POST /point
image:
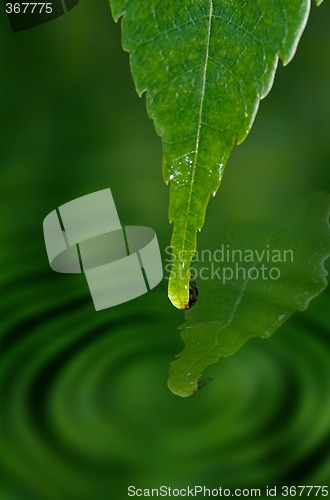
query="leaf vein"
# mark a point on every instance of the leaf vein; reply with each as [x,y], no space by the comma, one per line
[174,80]
[166,33]
[244,30]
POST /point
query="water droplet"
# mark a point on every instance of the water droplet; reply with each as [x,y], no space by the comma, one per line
[193,293]
[220,168]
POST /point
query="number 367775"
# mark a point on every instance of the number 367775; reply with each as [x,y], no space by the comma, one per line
[29,8]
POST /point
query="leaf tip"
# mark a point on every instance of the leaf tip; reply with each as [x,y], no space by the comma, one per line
[178,301]
[179,392]
[183,299]
[185,390]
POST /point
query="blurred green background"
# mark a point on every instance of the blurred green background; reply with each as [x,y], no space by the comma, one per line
[84,408]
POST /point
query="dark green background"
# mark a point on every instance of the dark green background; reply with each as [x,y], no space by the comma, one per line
[84,408]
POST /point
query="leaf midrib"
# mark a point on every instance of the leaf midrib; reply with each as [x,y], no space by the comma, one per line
[200,122]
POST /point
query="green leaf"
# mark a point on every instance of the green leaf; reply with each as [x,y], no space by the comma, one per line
[252,285]
[205,65]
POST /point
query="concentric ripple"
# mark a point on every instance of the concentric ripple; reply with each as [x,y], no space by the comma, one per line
[85,408]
